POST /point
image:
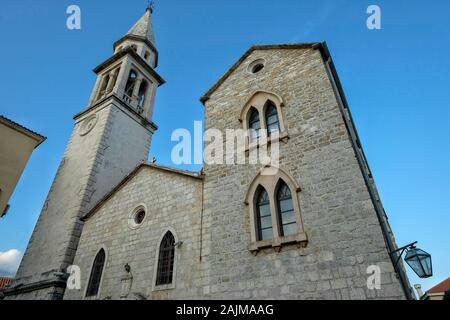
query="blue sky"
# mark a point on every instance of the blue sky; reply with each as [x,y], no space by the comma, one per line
[396,81]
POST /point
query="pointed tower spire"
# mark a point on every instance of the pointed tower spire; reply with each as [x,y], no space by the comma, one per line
[143,28]
[141,38]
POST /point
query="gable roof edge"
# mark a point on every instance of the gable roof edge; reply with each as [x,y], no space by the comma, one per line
[130,176]
[303,45]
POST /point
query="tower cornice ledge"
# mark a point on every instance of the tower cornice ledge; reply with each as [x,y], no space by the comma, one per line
[100,104]
[137,57]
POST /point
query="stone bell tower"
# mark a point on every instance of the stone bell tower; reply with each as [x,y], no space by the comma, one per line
[110,138]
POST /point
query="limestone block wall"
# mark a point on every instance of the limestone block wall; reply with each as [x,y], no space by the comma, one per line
[344,236]
[210,217]
[95,160]
[126,145]
[172,202]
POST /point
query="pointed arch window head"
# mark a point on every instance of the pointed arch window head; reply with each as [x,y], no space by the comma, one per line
[263,215]
[96,274]
[286,212]
[272,119]
[254,125]
[166,259]
[129,87]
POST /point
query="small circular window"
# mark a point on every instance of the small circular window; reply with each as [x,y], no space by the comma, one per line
[256,66]
[137,217]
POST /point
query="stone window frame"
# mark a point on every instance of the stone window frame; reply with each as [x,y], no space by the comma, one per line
[128,85]
[259,101]
[172,285]
[107,82]
[140,80]
[102,276]
[269,178]
[261,62]
[131,219]
[146,55]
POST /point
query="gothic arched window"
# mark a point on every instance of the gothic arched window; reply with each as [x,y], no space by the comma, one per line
[129,87]
[274,210]
[265,111]
[254,125]
[286,212]
[141,95]
[96,274]
[272,121]
[104,85]
[114,78]
[166,260]
[263,215]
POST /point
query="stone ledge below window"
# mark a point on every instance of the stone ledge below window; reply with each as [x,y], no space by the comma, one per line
[300,239]
[163,287]
[283,136]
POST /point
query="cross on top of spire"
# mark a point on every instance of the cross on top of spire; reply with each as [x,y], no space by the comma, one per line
[150,6]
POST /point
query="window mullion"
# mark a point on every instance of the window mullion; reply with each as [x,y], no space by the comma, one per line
[273,212]
[263,122]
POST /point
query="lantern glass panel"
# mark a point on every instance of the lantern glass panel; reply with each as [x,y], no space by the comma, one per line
[420,262]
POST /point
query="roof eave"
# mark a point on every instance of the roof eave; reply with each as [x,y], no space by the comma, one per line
[18,127]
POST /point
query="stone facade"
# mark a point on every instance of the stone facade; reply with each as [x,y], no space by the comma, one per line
[101,183]
[100,153]
[91,164]
[172,201]
[344,235]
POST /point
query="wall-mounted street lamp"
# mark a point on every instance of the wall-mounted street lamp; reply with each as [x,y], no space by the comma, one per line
[417,259]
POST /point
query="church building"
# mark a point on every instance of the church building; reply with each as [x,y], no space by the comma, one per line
[133,229]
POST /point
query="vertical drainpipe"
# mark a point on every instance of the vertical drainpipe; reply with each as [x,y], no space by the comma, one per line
[390,246]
